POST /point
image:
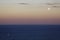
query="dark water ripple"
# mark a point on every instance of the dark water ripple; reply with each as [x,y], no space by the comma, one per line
[29,32]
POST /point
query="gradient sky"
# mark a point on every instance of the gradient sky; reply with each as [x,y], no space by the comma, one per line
[13,13]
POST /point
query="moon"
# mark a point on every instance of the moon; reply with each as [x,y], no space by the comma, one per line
[49,9]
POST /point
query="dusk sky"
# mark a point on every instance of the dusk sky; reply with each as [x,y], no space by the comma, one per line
[11,12]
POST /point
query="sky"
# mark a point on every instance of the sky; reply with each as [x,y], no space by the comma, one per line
[13,1]
[11,12]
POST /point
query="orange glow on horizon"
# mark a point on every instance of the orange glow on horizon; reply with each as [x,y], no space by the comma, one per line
[29,15]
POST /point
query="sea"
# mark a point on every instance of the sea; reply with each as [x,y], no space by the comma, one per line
[29,32]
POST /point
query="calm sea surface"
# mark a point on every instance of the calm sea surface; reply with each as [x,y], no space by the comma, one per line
[29,32]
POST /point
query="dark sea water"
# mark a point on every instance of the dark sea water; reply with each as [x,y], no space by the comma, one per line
[29,32]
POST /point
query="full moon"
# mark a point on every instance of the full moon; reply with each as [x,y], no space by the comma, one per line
[49,8]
